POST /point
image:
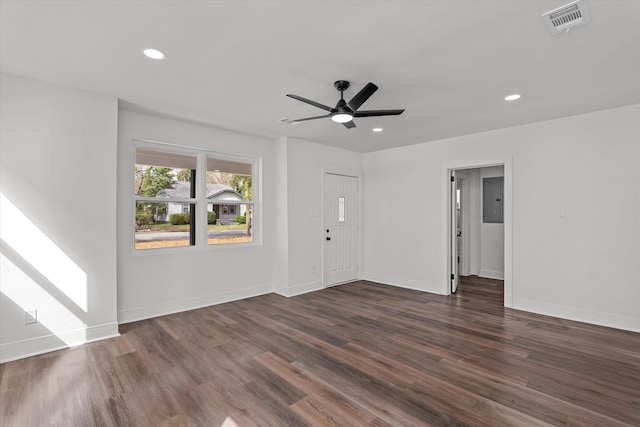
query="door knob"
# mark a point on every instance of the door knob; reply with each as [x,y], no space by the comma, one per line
[328,238]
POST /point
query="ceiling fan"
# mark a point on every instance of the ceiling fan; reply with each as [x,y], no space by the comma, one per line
[344,112]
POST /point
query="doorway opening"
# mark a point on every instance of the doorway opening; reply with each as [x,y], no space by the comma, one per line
[480,225]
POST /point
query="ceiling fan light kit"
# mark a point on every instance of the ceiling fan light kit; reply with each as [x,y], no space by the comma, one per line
[341,117]
[344,112]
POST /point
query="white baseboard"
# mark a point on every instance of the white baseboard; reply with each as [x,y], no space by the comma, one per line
[52,342]
[281,290]
[406,283]
[578,314]
[298,289]
[490,274]
[141,313]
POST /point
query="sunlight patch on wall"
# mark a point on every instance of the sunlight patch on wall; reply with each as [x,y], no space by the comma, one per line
[42,254]
[27,294]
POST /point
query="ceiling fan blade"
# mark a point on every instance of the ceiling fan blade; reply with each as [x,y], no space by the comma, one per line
[362,96]
[349,124]
[310,102]
[309,118]
[374,113]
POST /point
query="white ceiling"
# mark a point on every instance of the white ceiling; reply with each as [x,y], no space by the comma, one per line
[230,63]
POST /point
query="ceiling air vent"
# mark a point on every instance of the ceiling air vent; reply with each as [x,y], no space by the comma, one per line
[563,18]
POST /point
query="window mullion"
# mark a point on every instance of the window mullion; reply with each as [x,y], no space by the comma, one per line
[201,197]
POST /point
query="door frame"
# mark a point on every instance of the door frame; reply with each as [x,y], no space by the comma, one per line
[359,203]
[454,244]
[507,162]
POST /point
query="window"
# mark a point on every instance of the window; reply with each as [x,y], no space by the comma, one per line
[229,209]
[158,176]
[341,217]
[186,197]
[229,196]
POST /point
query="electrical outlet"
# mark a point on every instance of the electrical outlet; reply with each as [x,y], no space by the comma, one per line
[313,269]
[30,316]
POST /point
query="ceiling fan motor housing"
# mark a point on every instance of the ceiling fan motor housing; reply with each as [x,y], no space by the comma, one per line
[342,106]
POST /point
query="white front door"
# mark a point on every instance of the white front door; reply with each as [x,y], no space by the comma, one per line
[340,230]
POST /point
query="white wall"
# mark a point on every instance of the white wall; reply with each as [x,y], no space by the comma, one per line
[581,266]
[281,228]
[491,235]
[153,283]
[306,163]
[58,209]
[405,251]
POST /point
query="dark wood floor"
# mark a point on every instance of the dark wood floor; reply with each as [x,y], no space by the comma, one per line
[357,354]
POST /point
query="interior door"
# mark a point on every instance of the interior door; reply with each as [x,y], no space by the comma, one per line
[459,225]
[340,229]
[453,230]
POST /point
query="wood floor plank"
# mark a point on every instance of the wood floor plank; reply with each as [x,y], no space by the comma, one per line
[355,354]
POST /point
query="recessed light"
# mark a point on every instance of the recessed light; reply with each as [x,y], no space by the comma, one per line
[154,54]
[512,97]
[377,129]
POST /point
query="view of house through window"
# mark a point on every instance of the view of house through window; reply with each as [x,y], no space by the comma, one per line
[229,188]
[172,209]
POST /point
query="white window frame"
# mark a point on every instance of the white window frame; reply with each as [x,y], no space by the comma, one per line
[201,201]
